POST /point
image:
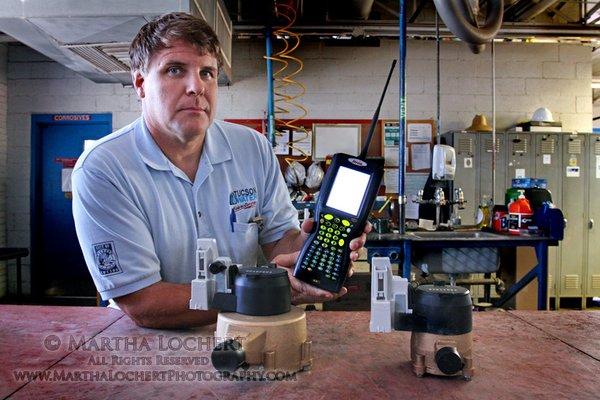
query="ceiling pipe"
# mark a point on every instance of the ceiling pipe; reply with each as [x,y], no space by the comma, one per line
[458,17]
[536,9]
[584,33]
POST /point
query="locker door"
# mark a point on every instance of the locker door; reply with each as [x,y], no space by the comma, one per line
[548,166]
[593,253]
[520,161]
[485,167]
[465,145]
[573,207]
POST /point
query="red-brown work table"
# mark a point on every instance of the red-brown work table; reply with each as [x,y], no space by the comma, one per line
[518,355]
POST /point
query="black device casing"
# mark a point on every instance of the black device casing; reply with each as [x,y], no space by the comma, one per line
[438,309]
[257,291]
[371,166]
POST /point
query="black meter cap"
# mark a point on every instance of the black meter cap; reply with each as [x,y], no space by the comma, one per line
[442,310]
[262,291]
[448,360]
[228,356]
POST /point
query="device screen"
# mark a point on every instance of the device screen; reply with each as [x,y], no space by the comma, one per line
[348,190]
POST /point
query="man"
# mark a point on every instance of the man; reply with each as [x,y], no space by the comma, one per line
[143,194]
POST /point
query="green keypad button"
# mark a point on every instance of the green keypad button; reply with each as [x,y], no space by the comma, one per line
[325,253]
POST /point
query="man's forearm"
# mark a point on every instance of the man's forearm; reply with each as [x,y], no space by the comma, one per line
[164,305]
[291,242]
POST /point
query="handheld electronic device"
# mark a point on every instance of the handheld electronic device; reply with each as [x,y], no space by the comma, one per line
[347,194]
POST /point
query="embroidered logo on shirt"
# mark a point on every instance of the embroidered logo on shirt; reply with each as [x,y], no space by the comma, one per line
[106,258]
[242,198]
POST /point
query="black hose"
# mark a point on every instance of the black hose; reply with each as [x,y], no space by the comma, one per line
[459,19]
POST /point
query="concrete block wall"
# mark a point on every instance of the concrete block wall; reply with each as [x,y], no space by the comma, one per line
[345,82]
[340,83]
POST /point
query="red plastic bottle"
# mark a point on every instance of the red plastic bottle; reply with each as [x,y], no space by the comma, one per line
[520,215]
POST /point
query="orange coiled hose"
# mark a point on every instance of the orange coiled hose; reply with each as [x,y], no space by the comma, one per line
[286,89]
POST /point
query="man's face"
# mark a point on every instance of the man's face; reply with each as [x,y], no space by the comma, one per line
[178,91]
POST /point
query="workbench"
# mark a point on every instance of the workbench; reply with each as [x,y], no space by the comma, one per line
[399,248]
[517,355]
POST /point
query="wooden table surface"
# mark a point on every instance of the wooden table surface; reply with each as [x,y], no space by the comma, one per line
[517,355]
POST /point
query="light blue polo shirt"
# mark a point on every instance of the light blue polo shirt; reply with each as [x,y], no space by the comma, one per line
[138,216]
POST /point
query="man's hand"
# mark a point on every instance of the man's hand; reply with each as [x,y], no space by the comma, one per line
[302,292]
[356,244]
[286,253]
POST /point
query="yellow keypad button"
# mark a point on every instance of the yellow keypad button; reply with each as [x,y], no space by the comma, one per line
[345,222]
[329,217]
[341,242]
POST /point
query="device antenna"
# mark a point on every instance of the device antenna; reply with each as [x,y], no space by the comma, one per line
[363,153]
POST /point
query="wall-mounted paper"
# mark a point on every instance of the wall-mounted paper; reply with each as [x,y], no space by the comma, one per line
[65,178]
[302,143]
[420,156]
[391,134]
[419,133]
[390,180]
[281,143]
[391,156]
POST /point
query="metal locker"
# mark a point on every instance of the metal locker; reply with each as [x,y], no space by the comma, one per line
[466,148]
[485,167]
[548,165]
[573,203]
[593,212]
[519,156]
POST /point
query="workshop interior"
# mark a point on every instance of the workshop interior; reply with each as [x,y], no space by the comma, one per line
[465,132]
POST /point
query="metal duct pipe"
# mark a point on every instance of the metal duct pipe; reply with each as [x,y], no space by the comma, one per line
[535,10]
[458,17]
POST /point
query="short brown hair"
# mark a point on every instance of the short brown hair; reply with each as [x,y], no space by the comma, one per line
[159,33]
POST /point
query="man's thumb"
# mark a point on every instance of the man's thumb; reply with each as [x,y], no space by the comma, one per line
[307,225]
[286,260]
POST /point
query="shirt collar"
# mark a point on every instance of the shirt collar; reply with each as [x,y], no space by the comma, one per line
[148,149]
[216,145]
[216,148]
